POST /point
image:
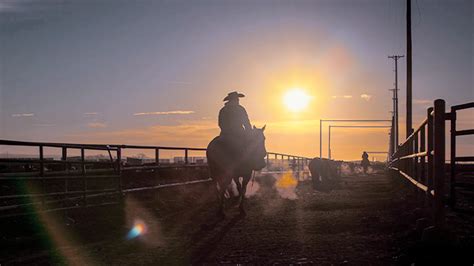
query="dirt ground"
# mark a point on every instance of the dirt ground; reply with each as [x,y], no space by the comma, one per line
[363,220]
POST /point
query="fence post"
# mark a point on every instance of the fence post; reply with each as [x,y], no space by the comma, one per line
[423,158]
[119,170]
[404,163]
[452,183]
[41,172]
[84,179]
[66,168]
[157,156]
[186,161]
[415,163]
[439,161]
[429,149]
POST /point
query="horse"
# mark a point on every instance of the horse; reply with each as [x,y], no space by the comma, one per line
[225,167]
[324,172]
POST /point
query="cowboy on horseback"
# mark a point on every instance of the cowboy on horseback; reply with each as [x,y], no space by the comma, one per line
[365,161]
[236,152]
[234,123]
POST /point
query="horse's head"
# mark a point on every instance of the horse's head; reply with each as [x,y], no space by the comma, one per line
[257,148]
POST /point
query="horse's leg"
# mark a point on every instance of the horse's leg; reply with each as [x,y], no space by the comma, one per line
[220,198]
[220,195]
[245,181]
[223,185]
[239,185]
[220,210]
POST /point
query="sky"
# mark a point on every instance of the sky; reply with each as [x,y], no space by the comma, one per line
[155,72]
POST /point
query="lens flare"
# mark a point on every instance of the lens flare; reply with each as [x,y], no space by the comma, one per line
[287,181]
[138,229]
[286,186]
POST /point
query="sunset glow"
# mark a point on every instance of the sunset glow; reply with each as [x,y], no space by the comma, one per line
[295,68]
[211,132]
[296,99]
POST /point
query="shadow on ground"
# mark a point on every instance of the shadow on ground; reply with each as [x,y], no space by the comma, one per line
[361,220]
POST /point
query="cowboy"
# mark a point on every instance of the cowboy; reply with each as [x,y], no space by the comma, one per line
[234,123]
[365,156]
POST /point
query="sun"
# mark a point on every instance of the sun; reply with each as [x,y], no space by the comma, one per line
[296,99]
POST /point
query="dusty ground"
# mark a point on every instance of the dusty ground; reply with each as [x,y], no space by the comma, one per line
[364,220]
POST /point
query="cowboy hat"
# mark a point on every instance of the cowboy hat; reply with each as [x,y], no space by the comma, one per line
[233,95]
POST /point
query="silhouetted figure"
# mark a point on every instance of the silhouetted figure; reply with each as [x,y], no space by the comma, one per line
[325,174]
[237,151]
[315,168]
[234,123]
[365,161]
[224,167]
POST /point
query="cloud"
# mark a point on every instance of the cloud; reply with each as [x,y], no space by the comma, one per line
[97,125]
[91,113]
[366,97]
[287,136]
[342,97]
[9,7]
[180,82]
[44,125]
[23,115]
[192,134]
[178,112]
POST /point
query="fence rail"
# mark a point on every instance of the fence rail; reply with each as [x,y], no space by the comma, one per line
[421,157]
[453,157]
[88,172]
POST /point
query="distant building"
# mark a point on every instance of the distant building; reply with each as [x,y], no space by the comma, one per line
[134,161]
[165,161]
[178,160]
[191,159]
[74,158]
[153,161]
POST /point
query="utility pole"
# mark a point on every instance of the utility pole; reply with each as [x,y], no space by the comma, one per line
[391,138]
[395,101]
[409,128]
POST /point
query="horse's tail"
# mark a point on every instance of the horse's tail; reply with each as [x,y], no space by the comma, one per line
[211,157]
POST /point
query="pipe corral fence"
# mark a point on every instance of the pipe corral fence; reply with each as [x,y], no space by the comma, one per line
[69,182]
[421,158]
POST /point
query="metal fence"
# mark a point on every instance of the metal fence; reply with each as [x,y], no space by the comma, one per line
[67,183]
[453,157]
[421,158]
